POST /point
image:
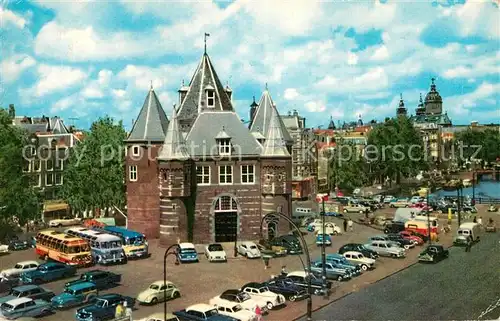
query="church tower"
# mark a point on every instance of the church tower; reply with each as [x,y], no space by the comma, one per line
[401,111]
[420,108]
[142,147]
[433,101]
[175,181]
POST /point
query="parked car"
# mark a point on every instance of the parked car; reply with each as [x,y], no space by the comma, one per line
[358,248]
[159,316]
[202,312]
[394,227]
[491,227]
[386,248]
[287,288]
[359,259]
[4,249]
[20,267]
[326,237]
[412,237]
[289,242]
[24,307]
[103,308]
[187,253]
[332,272]
[416,199]
[299,278]
[402,202]
[215,253]
[404,243]
[265,247]
[48,272]
[18,245]
[388,199]
[101,279]
[356,208]
[259,290]
[241,298]
[65,221]
[75,295]
[341,262]
[28,291]
[235,310]
[157,291]
[433,253]
[249,250]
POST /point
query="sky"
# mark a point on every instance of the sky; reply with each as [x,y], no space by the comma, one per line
[81,60]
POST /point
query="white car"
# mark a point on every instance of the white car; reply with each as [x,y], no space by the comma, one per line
[235,310]
[65,221]
[249,250]
[215,253]
[237,297]
[258,290]
[13,273]
[358,258]
[4,248]
[330,229]
[388,198]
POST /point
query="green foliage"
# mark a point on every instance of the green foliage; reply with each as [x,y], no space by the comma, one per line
[95,174]
[17,198]
[487,141]
[347,169]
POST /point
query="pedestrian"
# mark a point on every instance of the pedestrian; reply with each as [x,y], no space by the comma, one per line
[469,244]
[258,313]
[345,225]
[128,310]
[119,311]
[266,262]
[474,220]
[283,270]
[350,225]
[480,221]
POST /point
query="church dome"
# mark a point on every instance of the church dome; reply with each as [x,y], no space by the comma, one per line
[433,95]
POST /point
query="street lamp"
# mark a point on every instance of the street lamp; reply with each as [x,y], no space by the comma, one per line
[428,213]
[460,194]
[171,250]
[273,217]
[323,198]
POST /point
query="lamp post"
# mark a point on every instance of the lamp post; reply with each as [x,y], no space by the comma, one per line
[171,250]
[323,198]
[459,207]
[272,217]
[473,186]
[428,218]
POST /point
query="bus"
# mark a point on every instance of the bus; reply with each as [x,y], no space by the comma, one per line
[134,243]
[63,248]
[105,248]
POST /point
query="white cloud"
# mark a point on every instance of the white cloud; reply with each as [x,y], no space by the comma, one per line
[485,92]
[56,78]
[11,68]
[291,94]
[381,53]
[9,17]
[92,91]
[478,18]
[118,93]
[327,81]
[315,106]
[481,67]
[352,58]
[104,77]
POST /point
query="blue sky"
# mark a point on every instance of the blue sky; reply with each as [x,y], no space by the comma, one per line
[85,59]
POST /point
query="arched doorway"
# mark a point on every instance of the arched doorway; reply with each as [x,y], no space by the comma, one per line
[225,219]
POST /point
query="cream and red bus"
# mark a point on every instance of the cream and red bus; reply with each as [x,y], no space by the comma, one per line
[63,248]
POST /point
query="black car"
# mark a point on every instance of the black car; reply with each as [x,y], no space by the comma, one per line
[433,253]
[394,227]
[18,245]
[289,242]
[301,280]
[358,248]
[404,243]
[287,288]
[368,204]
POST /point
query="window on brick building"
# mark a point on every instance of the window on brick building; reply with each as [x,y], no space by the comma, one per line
[132,173]
[247,174]
[36,165]
[49,165]
[58,179]
[224,147]
[225,174]
[210,98]
[26,166]
[203,175]
[135,151]
[49,179]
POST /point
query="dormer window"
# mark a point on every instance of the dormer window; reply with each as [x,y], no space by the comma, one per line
[210,96]
[224,147]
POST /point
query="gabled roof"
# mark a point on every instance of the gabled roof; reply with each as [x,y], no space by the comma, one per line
[174,146]
[151,124]
[275,144]
[208,124]
[204,78]
[262,117]
[57,126]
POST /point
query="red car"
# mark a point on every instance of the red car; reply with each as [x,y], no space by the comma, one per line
[410,236]
[422,206]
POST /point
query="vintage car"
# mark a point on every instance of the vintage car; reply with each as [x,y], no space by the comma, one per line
[187,253]
[20,267]
[386,248]
[401,202]
[4,249]
[330,227]
[104,307]
[18,245]
[202,312]
[417,240]
[299,278]
[288,289]
[404,243]
[75,295]
[289,242]
[341,262]
[65,221]
[101,279]
[28,291]
[265,247]
[393,227]
[492,208]
[356,208]
[388,199]
[241,298]
[332,272]
[215,253]
[359,259]
[235,310]
[249,250]
[159,316]
[261,291]
[24,307]
[327,239]
[358,248]
[491,227]
[48,272]
[157,292]
[433,253]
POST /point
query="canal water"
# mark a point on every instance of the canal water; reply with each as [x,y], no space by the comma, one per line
[485,189]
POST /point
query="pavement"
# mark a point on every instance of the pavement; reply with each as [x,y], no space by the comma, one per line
[461,287]
[199,282]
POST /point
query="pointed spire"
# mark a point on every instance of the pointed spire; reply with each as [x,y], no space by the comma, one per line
[401,101]
[275,144]
[266,86]
[151,86]
[331,125]
[151,124]
[174,146]
[421,101]
[254,104]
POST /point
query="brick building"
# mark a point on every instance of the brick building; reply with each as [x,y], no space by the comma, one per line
[203,176]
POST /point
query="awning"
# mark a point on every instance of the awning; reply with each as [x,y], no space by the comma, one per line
[52,207]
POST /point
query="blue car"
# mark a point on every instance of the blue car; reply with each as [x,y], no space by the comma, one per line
[75,295]
[341,262]
[48,272]
[319,239]
[187,253]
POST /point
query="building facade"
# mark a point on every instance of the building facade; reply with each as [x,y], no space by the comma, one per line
[202,175]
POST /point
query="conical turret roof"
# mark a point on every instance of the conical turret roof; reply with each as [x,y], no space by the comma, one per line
[152,122]
[275,143]
[174,146]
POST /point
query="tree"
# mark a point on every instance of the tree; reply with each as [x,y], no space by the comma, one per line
[478,144]
[346,167]
[19,201]
[94,178]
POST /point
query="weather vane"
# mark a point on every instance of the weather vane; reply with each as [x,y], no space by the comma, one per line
[206,36]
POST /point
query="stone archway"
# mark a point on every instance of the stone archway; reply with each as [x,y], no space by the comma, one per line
[225,212]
